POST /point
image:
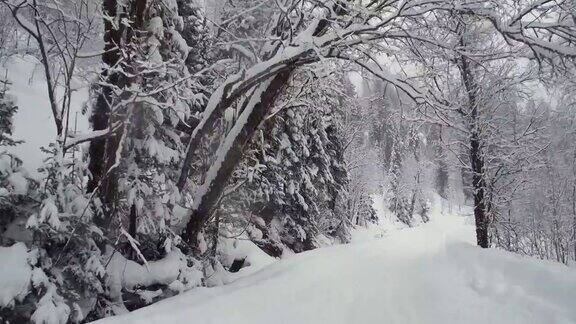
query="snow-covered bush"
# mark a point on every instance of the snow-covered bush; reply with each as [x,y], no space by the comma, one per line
[15,182]
[66,241]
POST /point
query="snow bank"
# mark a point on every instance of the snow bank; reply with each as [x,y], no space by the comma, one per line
[387,222]
[252,254]
[428,274]
[15,274]
[172,270]
[33,122]
[254,259]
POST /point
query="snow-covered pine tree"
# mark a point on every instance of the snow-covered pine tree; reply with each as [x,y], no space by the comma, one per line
[153,144]
[14,186]
[408,173]
[146,100]
[360,156]
[404,154]
[151,96]
[67,247]
[291,186]
[195,31]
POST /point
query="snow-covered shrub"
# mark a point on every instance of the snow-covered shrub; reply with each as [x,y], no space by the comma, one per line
[14,179]
[47,289]
[131,285]
[66,240]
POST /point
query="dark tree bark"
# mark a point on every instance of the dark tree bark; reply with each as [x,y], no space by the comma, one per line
[103,151]
[476,157]
[101,110]
[479,185]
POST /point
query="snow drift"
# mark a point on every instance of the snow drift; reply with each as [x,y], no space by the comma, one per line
[429,274]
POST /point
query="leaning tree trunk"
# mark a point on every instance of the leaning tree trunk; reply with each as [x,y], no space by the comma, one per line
[230,152]
[258,106]
[220,172]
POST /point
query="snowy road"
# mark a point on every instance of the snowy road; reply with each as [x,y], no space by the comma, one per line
[429,274]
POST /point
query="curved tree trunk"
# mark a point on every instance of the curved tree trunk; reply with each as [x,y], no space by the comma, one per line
[230,152]
[209,193]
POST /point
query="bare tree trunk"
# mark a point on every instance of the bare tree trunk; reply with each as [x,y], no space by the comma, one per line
[101,111]
[49,82]
[478,184]
[103,152]
[476,158]
[35,31]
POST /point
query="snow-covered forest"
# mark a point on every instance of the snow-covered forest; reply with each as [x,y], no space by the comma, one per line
[194,152]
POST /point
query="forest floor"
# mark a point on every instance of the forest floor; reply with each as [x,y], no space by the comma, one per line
[429,274]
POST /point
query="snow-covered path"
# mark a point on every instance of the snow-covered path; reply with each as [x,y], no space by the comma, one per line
[429,274]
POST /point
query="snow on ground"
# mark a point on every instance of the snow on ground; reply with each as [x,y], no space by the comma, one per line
[15,274]
[429,274]
[33,122]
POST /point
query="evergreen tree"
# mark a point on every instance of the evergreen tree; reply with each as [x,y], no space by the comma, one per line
[294,179]
[13,182]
